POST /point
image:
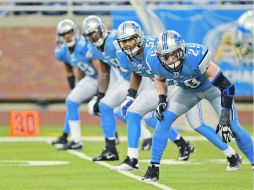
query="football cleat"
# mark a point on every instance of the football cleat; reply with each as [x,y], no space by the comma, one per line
[71,146]
[128,164]
[147,144]
[61,140]
[107,155]
[152,173]
[185,151]
[235,162]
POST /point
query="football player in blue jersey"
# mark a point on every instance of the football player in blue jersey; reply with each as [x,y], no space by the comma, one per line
[110,93]
[60,30]
[135,50]
[190,67]
[134,46]
[74,51]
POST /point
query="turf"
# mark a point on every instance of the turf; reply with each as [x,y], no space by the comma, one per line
[206,168]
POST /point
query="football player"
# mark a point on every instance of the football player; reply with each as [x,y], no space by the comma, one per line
[190,67]
[110,93]
[73,51]
[135,49]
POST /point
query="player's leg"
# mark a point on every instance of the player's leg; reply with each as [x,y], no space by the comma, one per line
[195,119]
[177,105]
[184,147]
[243,139]
[113,98]
[65,133]
[145,102]
[85,89]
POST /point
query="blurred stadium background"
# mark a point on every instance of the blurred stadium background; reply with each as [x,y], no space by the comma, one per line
[31,79]
[30,74]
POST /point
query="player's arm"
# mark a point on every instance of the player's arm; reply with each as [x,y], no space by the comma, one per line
[70,75]
[134,83]
[218,79]
[160,85]
[103,71]
[132,92]
[161,89]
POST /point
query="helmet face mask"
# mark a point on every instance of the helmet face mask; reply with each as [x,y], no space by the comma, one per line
[173,60]
[67,32]
[130,37]
[95,37]
[94,30]
[171,50]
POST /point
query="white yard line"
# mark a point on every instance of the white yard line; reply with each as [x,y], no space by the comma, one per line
[90,138]
[126,173]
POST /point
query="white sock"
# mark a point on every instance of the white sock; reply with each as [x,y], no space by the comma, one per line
[229,151]
[133,152]
[75,130]
[145,133]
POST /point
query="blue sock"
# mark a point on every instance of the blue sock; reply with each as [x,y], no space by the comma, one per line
[243,139]
[120,117]
[108,121]
[66,128]
[160,137]
[72,110]
[134,128]
[172,134]
[152,122]
[71,114]
[211,135]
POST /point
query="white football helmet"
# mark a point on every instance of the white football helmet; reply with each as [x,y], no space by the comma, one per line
[67,26]
[94,30]
[170,43]
[244,37]
[128,30]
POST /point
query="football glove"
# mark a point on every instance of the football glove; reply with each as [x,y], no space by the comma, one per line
[162,106]
[125,105]
[224,125]
[96,110]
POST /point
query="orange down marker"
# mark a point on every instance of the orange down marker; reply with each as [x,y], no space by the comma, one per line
[24,123]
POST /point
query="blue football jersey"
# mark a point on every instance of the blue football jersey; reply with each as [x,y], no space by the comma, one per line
[80,57]
[140,67]
[191,77]
[109,54]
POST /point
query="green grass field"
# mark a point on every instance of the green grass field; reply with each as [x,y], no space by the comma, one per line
[204,171]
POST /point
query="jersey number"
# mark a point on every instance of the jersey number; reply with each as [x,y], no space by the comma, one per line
[86,68]
[192,83]
[193,51]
